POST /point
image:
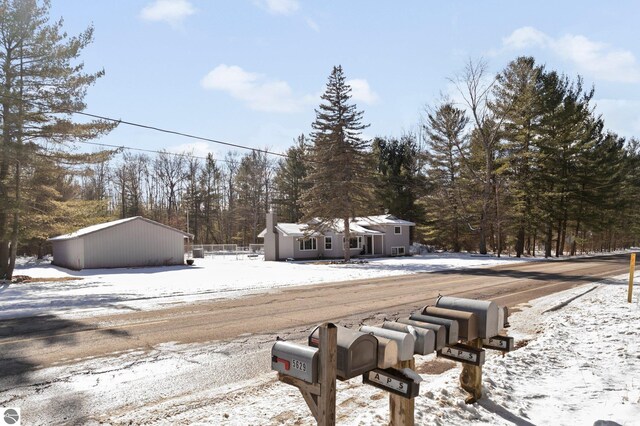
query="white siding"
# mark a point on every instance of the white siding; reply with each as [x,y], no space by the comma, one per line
[394,240]
[285,247]
[134,243]
[69,253]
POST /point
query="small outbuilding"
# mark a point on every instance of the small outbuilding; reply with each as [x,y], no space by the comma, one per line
[133,241]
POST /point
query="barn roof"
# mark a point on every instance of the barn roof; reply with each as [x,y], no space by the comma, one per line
[101,226]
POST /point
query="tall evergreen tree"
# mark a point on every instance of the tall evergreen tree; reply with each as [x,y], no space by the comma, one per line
[339,179]
[398,178]
[447,152]
[41,84]
[516,98]
[288,182]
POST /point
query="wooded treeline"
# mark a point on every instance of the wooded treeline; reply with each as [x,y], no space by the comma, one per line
[526,167]
[520,162]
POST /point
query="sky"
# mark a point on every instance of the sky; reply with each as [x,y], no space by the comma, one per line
[251,72]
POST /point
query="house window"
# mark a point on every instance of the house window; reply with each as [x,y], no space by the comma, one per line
[355,242]
[307,244]
[397,251]
[397,230]
[328,243]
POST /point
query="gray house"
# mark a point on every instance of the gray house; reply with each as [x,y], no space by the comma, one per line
[134,241]
[383,235]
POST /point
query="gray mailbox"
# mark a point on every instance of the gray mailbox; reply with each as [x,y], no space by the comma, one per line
[406,342]
[357,352]
[450,325]
[439,330]
[295,360]
[425,339]
[485,310]
[387,352]
[467,324]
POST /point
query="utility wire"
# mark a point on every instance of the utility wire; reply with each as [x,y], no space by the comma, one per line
[148,127]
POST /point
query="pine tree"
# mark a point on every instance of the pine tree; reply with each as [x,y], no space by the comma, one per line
[289,178]
[398,178]
[41,84]
[516,98]
[339,179]
[447,152]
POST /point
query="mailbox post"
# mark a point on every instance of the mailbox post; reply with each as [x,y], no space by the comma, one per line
[471,376]
[320,396]
[401,409]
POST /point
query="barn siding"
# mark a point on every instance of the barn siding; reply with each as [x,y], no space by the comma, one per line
[134,243]
[69,253]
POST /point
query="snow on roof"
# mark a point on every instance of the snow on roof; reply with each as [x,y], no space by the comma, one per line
[292,230]
[300,230]
[354,228]
[95,228]
[383,219]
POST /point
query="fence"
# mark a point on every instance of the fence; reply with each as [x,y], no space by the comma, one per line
[213,250]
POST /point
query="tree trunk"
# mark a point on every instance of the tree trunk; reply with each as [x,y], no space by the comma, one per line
[520,241]
[548,241]
[346,243]
[14,231]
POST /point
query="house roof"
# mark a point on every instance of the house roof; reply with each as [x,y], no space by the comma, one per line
[383,219]
[101,226]
[354,228]
[292,230]
[300,230]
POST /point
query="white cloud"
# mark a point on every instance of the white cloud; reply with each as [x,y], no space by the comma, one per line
[254,89]
[599,60]
[171,11]
[280,7]
[361,92]
[620,115]
[525,37]
[313,25]
[199,149]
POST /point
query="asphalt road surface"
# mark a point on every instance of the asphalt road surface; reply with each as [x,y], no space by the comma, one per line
[38,342]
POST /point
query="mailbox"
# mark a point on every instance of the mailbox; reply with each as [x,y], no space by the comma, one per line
[467,324]
[439,330]
[486,313]
[450,325]
[406,342]
[425,339]
[387,352]
[357,352]
[295,360]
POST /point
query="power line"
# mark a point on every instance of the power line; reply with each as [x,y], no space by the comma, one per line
[148,127]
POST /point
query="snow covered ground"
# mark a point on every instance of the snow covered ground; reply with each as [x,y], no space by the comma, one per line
[578,365]
[102,291]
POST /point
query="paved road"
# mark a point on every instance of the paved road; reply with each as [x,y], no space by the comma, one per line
[34,343]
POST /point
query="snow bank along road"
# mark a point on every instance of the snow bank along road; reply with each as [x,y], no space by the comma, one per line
[36,354]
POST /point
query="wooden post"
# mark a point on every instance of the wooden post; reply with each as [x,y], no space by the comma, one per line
[471,376]
[632,267]
[327,375]
[321,396]
[401,410]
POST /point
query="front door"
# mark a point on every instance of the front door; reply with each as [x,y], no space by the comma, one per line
[369,247]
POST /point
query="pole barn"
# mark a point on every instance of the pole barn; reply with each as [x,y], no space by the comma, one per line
[134,241]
